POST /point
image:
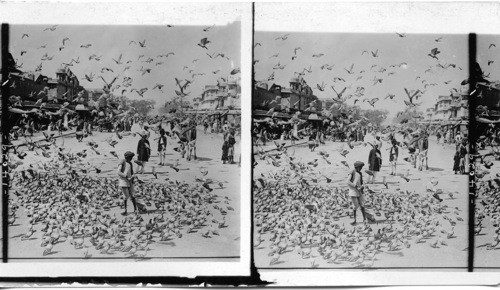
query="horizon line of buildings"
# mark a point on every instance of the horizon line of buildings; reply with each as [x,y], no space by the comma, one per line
[32,86]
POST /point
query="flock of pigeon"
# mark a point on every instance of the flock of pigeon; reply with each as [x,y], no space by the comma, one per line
[118,78]
[68,200]
[300,210]
[348,84]
[487,209]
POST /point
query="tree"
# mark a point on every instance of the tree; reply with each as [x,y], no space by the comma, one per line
[376,117]
[351,114]
[143,107]
[408,116]
[175,105]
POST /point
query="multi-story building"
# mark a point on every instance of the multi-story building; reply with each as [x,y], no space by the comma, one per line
[442,108]
[452,107]
[459,107]
[297,97]
[28,85]
[224,95]
[210,98]
[67,86]
[429,113]
[31,86]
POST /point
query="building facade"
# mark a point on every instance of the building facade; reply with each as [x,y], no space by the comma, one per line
[32,86]
[442,108]
[459,107]
[429,113]
[223,96]
[68,87]
[452,107]
[297,97]
[28,85]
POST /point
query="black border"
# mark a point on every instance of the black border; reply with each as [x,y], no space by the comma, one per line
[5,137]
[472,145]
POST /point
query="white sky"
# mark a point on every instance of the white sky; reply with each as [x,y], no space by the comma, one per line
[109,41]
[343,50]
[341,31]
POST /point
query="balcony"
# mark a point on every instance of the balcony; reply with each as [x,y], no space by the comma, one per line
[444,98]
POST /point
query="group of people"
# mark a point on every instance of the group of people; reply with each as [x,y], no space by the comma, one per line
[186,133]
[416,140]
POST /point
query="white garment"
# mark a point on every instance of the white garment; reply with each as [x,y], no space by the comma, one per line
[66,122]
[125,175]
[357,182]
[135,128]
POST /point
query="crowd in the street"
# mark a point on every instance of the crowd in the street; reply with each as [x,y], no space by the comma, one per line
[180,127]
[413,138]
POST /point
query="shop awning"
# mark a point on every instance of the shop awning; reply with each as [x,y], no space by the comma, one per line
[262,113]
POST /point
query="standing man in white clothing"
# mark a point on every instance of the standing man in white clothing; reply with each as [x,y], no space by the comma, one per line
[126,180]
[355,184]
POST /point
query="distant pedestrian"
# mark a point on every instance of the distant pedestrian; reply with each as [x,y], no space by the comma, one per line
[423,147]
[375,162]
[146,130]
[393,156]
[458,139]
[79,130]
[226,147]
[59,126]
[162,146]
[312,140]
[231,142]
[88,128]
[378,141]
[143,153]
[205,126]
[191,135]
[459,158]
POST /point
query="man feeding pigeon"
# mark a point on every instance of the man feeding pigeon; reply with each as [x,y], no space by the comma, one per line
[126,180]
[355,184]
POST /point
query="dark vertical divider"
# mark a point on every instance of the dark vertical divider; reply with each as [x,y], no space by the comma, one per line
[5,127]
[472,144]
